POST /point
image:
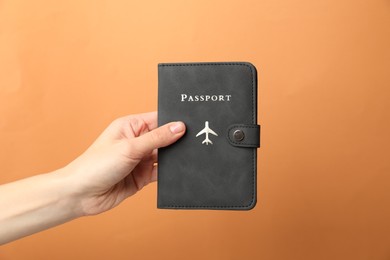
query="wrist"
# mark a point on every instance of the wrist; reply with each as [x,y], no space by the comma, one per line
[69,195]
[36,203]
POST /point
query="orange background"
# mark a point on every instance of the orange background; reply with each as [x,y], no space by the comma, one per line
[68,68]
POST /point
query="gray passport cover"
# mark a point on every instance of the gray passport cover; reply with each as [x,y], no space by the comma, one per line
[214,165]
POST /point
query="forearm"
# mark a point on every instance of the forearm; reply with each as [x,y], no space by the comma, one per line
[34,204]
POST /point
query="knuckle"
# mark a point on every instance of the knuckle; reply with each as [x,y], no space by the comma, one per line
[118,122]
[137,125]
[134,124]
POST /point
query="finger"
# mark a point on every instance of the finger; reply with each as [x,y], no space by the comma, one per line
[157,138]
[142,175]
[154,174]
[149,159]
[150,118]
[153,157]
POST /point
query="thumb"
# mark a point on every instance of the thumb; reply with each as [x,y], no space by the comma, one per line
[159,137]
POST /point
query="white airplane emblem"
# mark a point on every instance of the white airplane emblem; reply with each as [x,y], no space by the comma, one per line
[206,130]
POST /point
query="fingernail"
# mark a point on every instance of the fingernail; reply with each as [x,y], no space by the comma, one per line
[177,127]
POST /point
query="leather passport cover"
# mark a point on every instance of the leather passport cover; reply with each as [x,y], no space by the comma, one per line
[213,166]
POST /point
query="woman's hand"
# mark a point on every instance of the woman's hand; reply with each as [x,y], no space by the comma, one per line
[121,161]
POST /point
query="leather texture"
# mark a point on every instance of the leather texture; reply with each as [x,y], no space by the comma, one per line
[194,173]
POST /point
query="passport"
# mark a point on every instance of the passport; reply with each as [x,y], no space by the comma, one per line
[214,165]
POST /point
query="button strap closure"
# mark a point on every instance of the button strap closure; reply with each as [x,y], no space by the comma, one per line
[241,135]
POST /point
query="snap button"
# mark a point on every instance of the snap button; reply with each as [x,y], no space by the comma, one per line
[238,135]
